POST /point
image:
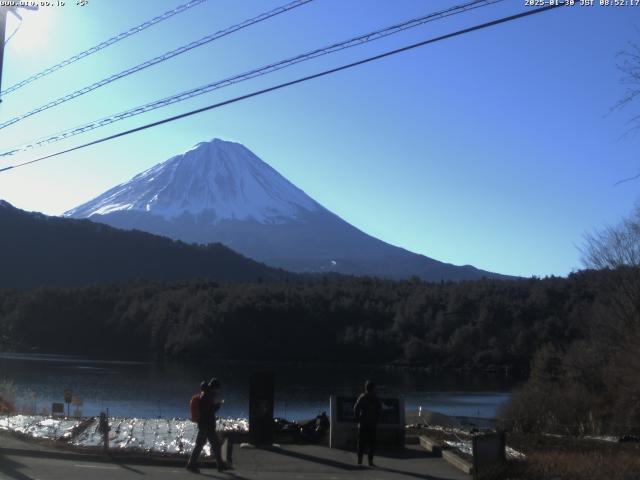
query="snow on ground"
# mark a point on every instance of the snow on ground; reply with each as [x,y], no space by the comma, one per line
[158,435]
[37,426]
[602,438]
[515,454]
[465,447]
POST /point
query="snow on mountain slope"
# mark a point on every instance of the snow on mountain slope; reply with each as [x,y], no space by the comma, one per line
[222,178]
[220,191]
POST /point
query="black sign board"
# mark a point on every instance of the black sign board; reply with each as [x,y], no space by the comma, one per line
[57,409]
[261,408]
[488,454]
[345,409]
[390,410]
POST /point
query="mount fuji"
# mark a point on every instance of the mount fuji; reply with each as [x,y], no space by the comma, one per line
[219,191]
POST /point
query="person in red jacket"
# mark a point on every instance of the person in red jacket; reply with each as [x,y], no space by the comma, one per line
[367,411]
[208,405]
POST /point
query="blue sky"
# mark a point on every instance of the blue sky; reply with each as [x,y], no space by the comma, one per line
[494,149]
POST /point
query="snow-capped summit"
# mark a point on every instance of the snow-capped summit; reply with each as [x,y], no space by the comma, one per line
[219,191]
[224,179]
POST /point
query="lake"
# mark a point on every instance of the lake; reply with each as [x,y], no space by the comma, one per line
[139,389]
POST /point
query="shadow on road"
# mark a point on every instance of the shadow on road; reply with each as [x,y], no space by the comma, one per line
[128,467]
[11,469]
[406,454]
[408,474]
[313,458]
[226,474]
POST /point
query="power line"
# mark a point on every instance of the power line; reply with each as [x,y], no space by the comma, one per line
[15,30]
[368,37]
[156,60]
[293,82]
[4,11]
[105,44]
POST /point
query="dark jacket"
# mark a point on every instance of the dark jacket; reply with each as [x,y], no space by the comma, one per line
[208,405]
[367,409]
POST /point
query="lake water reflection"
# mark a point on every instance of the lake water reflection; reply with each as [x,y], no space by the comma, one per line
[302,391]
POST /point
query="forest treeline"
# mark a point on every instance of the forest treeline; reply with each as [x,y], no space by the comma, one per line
[580,335]
[486,324]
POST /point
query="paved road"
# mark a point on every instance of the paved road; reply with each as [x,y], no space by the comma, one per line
[24,461]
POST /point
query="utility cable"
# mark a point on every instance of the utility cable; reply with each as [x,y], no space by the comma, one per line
[368,37]
[159,59]
[19,17]
[105,44]
[293,82]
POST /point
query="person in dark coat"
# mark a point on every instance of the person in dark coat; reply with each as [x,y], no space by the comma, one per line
[208,406]
[367,411]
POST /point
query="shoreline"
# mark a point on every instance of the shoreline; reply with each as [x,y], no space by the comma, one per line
[26,355]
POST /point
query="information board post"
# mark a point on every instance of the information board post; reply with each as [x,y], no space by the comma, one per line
[488,454]
[261,390]
[68,396]
[104,428]
[77,402]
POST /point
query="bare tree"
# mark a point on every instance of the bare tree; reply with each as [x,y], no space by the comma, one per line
[629,67]
[617,248]
[616,326]
[614,247]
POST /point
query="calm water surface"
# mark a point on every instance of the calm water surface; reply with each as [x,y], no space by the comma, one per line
[302,391]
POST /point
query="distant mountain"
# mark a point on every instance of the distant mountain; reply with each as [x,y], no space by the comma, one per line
[220,191]
[39,250]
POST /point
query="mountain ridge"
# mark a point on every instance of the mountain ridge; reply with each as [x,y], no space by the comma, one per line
[207,177]
[40,250]
[220,191]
